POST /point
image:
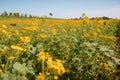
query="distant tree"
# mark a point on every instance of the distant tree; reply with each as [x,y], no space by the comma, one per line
[25,15]
[30,16]
[21,15]
[10,14]
[105,18]
[75,19]
[84,16]
[92,18]
[4,14]
[16,14]
[80,17]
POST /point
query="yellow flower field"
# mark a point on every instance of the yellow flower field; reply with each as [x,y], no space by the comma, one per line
[51,49]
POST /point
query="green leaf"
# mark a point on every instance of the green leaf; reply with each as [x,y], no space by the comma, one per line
[103,48]
[33,49]
[7,76]
[116,60]
[38,46]
[30,68]
[111,64]
[21,78]
[109,54]
[90,44]
[20,67]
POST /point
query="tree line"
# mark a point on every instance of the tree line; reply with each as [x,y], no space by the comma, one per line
[16,15]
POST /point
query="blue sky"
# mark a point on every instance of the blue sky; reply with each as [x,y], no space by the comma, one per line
[63,8]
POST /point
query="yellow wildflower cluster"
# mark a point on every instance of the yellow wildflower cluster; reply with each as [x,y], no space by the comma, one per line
[40,77]
[42,56]
[5,32]
[3,26]
[16,48]
[54,67]
[29,29]
[107,37]
[42,36]
[53,31]
[25,39]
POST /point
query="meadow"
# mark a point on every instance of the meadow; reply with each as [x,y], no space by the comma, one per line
[49,49]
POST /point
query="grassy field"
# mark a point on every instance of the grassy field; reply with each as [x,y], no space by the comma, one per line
[48,49]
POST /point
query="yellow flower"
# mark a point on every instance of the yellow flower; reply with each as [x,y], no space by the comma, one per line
[3,65]
[73,30]
[54,31]
[94,35]
[98,30]
[16,32]
[40,77]
[25,39]
[4,26]
[42,36]
[87,36]
[11,57]
[5,32]
[29,29]
[67,70]
[55,77]
[66,55]
[2,51]
[16,48]
[42,56]
[56,67]
[0,71]
[63,30]
[23,73]
[101,37]
[112,38]
[48,73]
[105,65]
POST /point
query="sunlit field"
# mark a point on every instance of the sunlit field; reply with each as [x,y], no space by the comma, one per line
[54,49]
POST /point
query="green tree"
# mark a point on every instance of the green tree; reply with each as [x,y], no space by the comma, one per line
[30,16]
[16,14]
[25,15]
[11,14]
[84,16]
[4,14]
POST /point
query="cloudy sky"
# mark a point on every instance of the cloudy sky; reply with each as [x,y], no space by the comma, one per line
[63,8]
